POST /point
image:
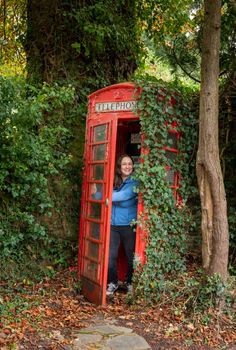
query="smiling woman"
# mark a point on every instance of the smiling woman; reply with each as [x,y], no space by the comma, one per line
[124,169]
[124,211]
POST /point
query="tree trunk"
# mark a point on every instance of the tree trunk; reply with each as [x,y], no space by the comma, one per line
[215,237]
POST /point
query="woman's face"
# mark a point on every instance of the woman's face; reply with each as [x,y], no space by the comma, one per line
[126,167]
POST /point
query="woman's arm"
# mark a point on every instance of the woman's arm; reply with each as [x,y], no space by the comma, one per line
[126,193]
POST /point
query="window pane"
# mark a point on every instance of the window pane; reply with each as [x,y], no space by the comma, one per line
[99,152]
[98,194]
[170,177]
[94,230]
[93,249]
[172,140]
[100,133]
[91,269]
[95,210]
[170,155]
[98,172]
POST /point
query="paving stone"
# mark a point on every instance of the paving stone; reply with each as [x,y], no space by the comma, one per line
[85,341]
[106,330]
[128,342]
[107,336]
[121,330]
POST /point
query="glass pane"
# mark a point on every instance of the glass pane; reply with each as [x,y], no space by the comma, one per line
[94,230]
[91,269]
[172,140]
[170,155]
[93,249]
[99,152]
[96,191]
[95,210]
[100,133]
[98,172]
[170,177]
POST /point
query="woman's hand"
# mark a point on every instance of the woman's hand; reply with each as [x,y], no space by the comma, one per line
[93,188]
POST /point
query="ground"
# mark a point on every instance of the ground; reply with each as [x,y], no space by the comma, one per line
[47,316]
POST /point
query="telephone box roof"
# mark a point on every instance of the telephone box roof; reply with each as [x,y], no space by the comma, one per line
[126,85]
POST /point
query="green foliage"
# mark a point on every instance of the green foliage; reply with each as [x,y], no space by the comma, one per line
[202,293]
[104,27]
[107,32]
[15,300]
[167,219]
[171,32]
[42,129]
[174,31]
[36,132]
[228,38]
[194,295]
[212,291]
[12,31]
[94,43]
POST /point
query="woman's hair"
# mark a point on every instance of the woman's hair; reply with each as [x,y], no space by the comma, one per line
[118,178]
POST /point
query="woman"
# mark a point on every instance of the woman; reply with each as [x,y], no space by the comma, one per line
[124,211]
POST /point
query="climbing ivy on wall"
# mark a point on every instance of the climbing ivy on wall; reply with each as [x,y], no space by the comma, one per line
[166,220]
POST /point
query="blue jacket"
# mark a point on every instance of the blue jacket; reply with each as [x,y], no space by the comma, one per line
[124,203]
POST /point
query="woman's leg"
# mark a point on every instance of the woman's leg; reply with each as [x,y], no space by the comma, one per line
[113,254]
[128,236]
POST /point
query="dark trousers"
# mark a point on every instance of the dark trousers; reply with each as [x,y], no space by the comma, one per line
[127,236]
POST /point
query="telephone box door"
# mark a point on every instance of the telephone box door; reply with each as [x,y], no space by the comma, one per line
[96,207]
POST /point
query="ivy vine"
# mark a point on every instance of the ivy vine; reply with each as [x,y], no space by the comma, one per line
[167,218]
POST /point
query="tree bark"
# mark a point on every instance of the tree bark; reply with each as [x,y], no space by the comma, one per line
[215,236]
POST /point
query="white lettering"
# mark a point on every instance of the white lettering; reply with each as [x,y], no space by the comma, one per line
[115,106]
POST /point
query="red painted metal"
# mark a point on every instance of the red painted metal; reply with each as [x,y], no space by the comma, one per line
[95,213]
[110,124]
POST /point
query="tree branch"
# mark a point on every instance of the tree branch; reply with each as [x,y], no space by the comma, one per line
[183,69]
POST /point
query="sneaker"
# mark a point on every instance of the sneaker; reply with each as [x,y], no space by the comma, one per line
[129,288]
[111,288]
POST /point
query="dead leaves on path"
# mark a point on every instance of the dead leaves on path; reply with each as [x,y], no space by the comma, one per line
[162,323]
[55,311]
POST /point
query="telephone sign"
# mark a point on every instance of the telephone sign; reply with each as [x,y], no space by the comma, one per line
[120,106]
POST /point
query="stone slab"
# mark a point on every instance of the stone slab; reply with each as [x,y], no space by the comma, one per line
[128,342]
[105,330]
[85,339]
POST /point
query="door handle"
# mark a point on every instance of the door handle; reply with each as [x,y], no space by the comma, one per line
[107,202]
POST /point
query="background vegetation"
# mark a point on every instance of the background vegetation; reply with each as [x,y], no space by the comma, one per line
[53,54]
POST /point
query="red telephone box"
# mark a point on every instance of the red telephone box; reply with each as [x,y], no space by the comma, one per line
[112,129]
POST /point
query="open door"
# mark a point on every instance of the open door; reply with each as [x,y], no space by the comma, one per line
[96,210]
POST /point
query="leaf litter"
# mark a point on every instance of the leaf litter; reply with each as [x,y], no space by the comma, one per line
[53,311]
